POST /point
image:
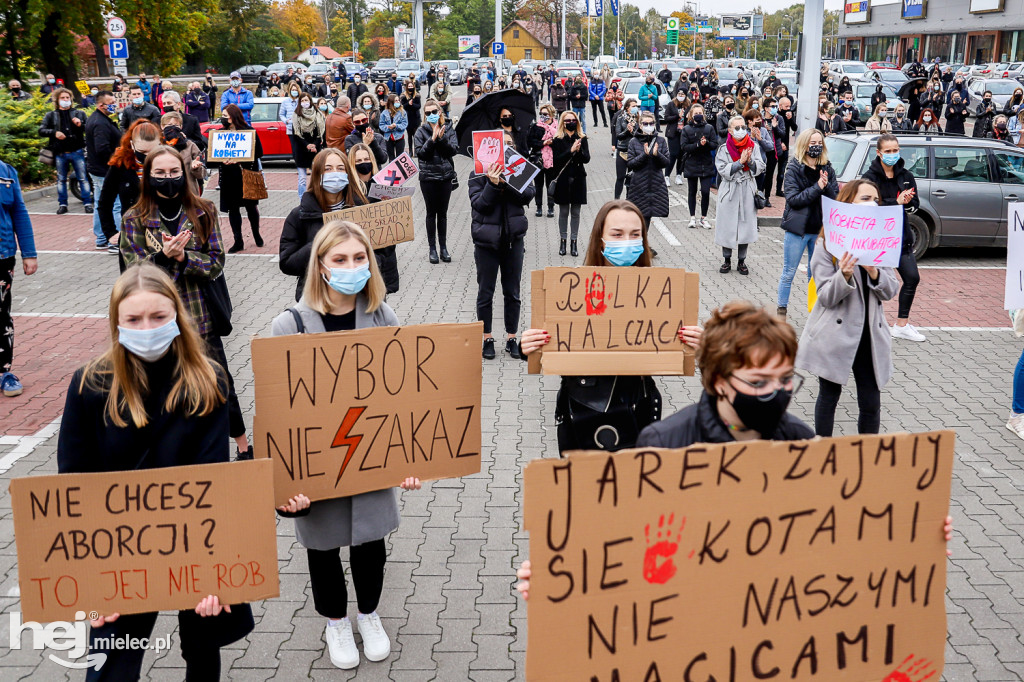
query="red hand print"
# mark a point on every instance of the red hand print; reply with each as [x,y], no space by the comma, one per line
[594,295]
[664,547]
[912,670]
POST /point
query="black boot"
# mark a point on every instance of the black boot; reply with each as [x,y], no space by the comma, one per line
[561,247]
[442,240]
[256,235]
[726,266]
[572,248]
[433,256]
[445,256]
[239,243]
[540,212]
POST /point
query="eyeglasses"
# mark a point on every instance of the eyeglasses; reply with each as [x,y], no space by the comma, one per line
[172,174]
[763,388]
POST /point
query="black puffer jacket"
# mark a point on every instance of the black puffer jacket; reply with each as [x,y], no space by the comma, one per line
[890,188]
[670,119]
[803,197]
[622,132]
[647,187]
[700,423]
[300,227]
[699,161]
[435,156]
[578,96]
[498,215]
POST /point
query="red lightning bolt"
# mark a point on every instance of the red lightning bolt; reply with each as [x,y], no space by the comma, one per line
[342,438]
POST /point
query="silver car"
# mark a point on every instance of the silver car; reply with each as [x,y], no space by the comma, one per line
[1001,89]
[456,74]
[964,184]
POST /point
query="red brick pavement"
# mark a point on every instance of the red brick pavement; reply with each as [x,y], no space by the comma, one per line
[948,297]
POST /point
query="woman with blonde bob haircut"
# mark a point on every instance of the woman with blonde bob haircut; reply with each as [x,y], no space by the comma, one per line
[153,399]
[344,292]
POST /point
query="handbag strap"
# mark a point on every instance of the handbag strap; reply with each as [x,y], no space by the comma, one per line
[300,328]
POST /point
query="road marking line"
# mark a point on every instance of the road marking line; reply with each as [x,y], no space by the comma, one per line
[26,444]
[664,231]
[90,315]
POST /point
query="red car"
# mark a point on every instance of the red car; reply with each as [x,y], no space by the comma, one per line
[567,74]
[272,132]
[881,65]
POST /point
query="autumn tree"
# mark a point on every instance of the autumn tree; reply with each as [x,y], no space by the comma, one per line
[301,23]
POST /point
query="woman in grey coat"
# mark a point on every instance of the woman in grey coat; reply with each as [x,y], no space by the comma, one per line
[344,291]
[739,162]
[847,330]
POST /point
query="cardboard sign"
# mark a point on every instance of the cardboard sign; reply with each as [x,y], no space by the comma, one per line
[871,234]
[519,172]
[123,98]
[1014,298]
[610,321]
[809,560]
[145,540]
[232,145]
[82,87]
[398,172]
[349,412]
[384,192]
[386,223]
[488,148]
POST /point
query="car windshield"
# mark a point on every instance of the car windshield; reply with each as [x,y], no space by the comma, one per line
[839,152]
[633,86]
[569,73]
[725,75]
[854,68]
[687,63]
[409,64]
[386,63]
[891,75]
[449,64]
[352,65]
[264,111]
[1001,87]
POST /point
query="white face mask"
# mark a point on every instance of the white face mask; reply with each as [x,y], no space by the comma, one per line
[647,128]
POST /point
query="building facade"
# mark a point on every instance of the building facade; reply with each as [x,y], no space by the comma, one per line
[955,31]
[536,40]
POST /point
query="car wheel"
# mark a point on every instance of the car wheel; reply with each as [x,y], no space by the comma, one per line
[921,233]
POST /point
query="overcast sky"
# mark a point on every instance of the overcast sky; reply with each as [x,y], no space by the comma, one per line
[709,7]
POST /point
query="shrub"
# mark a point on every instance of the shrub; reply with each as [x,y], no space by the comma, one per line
[19,137]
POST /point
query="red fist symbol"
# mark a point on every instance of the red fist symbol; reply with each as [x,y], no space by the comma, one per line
[663,549]
[912,670]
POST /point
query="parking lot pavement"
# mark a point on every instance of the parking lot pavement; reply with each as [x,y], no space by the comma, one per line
[448,602]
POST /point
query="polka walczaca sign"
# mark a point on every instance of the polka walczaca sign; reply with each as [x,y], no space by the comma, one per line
[809,560]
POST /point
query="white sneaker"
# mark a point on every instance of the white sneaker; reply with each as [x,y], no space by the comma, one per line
[342,645]
[693,222]
[679,179]
[376,644]
[907,332]
[668,183]
[1016,424]
[704,223]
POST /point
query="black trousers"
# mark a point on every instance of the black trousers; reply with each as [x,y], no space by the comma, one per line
[540,184]
[508,258]
[705,194]
[620,173]
[675,157]
[395,148]
[235,220]
[6,321]
[236,425]
[614,117]
[327,578]
[911,278]
[764,181]
[598,105]
[436,195]
[869,400]
[780,173]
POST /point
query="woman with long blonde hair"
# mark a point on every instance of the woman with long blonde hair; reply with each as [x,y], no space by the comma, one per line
[571,154]
[153,399]
[436,146]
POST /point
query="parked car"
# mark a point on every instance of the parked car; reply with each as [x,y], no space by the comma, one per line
[456,74]
[251,72]
[413,67]
[729,75]
[862,92]
[352,68]
[881,65]
[281,68]
[854,70]
[631,90]
[785,76]
[571,72]
[382,69]
[688,64]
[1015,70]
[964,184]
[893,77]
[273,133]
[988,70]
[1001,88]
[322,72]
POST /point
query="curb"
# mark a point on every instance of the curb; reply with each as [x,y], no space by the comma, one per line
[48,191]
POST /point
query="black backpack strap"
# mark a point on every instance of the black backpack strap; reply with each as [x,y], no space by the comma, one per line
[299,327]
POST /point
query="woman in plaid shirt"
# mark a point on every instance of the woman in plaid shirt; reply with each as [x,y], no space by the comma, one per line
[179,231]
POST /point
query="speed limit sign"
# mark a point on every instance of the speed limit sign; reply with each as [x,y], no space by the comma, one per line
[116,28]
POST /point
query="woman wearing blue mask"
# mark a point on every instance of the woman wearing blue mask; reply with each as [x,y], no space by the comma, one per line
[344,291]
[328,188]
[436,147]
[153,399]
[309,128]
[629,403]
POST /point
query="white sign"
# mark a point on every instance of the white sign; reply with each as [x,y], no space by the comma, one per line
[236,145]
[120,70]
[120,62]
[736,26]
[856,12]
[385,192]
[116,28]
[1014,257]
[871,234]
[982,6]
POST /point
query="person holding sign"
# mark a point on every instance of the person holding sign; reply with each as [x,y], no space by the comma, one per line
[897,187]
[232,187]
[627,403]
[153,399]
[571,154]
[344,291]
[847,330]
[436,146]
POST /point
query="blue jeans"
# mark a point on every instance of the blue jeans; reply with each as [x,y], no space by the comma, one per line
[97,228]
[647,107]
[78,159]
[581,114]
[792,251]
[1018,386]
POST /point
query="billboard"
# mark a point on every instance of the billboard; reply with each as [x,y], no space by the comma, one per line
[736,26]
[857,12]
[914,9]
[405,43]
[983,6]
[469,47]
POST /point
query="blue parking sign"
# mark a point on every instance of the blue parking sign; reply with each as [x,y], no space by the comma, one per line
[118,48]
[313,52]
[497,49]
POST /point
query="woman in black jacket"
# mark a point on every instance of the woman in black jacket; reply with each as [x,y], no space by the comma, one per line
[118,416]
[956,115]
[231,200]
[498,231]
[309,128]
[571,154]
[698,144]
[828,121]
[674,119]
[122,180]
[809,177]
[65,129]
[410,99]
[437,146]
[327,189]
[647,159]
[625,127]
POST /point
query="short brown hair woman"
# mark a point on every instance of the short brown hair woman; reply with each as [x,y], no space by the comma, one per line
[153,399]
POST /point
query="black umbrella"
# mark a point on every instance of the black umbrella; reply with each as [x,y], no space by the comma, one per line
[904,91]
[484,112]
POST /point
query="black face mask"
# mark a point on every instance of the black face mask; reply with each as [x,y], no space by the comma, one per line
[361,127]
[571,125]
[698,120]
[814,151]
[169,187]
[364,168]
[140,157]
[507,121]
[225,121]
[730,106]
[762,416]
[174,137]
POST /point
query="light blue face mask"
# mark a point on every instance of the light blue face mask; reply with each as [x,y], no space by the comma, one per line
[433,118]
[137,101]
[890,159]
[773,111]
[625,252]
[148,344]
[334,182]
[348,281]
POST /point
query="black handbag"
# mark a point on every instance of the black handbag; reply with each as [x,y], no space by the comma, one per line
[218,305]
[554,183]
[606,412]
[759,201]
